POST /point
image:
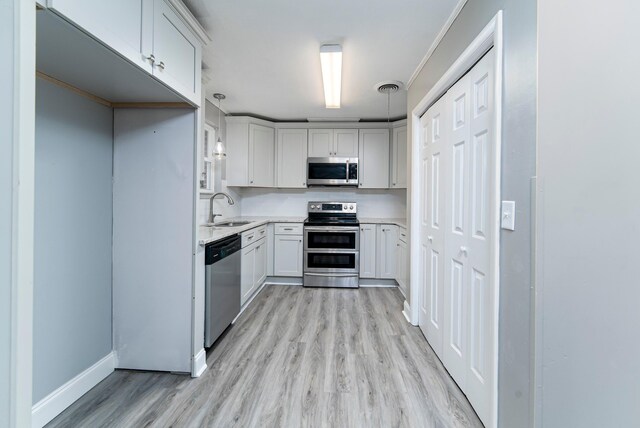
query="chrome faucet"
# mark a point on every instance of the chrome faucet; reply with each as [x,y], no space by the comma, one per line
[212,216]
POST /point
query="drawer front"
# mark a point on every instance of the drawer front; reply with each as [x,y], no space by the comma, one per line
[288,229]
[402,234]
[252,235]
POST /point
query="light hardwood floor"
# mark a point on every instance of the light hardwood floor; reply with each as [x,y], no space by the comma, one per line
[297,357]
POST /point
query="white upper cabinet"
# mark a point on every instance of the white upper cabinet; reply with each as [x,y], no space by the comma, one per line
[333,142]
[374,159]
[399,158]
[251,149]
[124,25]
[148,33]
[292,158]
[261,156]
[177,52]
[345,143]
[387,242]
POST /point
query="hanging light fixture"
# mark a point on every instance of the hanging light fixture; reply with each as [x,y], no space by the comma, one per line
[219,149]
[388,88]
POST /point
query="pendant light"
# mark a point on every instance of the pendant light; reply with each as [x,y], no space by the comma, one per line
[219,149]
[388,88]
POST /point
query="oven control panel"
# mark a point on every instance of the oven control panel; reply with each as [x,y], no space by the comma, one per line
[332,207]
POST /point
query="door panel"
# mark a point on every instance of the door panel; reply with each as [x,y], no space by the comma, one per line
[345,143]
[320,143]
[292,158]
[368,250]
[261,155]
[374,159]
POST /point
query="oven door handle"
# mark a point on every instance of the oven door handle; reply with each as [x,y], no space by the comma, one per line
[332,229]
[330,274]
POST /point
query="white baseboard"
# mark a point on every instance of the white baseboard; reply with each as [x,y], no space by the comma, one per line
[406,311]
[283,280]
[380,283]
[199,363]
[53,404]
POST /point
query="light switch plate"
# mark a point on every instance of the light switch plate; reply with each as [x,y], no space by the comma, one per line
[508,215]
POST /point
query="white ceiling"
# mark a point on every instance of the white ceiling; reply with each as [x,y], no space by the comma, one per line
[265,54]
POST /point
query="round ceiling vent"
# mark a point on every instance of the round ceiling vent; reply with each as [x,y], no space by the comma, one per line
[388,86]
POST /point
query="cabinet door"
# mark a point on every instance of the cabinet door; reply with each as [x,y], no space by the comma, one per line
[247,272]
[345,143]
[320,143]
[374,159]
[287,255]
[399,158]
[260,273]
[387,244]
[368,251]
[292,158]
[177,53]
[126,26]
[402,266]
[261,156]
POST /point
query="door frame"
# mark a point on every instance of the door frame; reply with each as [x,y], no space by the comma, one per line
[490,36]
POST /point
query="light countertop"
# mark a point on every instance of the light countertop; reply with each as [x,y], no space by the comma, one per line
[206,235]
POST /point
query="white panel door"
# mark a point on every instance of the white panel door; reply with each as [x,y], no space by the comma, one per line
[287,255]
[483,215]
[387,237]
[368,251]
[292,158]
[320,143]
[456,270]
[261,156]
[373,165]
[433,188]
[345,143]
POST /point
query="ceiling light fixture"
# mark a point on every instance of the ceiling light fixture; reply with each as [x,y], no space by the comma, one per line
[218,149]
[331,62]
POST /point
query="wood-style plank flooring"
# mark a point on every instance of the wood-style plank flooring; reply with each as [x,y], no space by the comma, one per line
[297,357]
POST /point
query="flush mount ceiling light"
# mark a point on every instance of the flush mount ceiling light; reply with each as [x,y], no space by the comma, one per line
[218,149]
[331,61]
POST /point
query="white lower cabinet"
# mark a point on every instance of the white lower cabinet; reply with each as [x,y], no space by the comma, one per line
[402,262]
[287,255]
[387,243]
[254,268]
[368,251]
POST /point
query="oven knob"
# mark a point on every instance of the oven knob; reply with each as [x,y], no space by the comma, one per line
[350,207]
[313,207]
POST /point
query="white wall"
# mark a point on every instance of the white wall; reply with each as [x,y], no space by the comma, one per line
[73,218]
[283,202]
[588,214]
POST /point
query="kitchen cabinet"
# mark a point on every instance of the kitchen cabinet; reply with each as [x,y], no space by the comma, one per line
[368,250]
[399,158]
[292,158]
[333,142]
[374,159]
[387,244]
[251,148]
[177,53]
[287,255]
[253,268]
[148,33]
[402,262]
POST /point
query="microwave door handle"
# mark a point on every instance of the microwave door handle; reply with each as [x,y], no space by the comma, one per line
[347,170]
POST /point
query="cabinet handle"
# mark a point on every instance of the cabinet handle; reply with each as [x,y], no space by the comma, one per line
[161,65]
[288,228]
[152,58]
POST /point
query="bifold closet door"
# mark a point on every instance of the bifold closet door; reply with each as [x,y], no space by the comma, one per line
[458,233]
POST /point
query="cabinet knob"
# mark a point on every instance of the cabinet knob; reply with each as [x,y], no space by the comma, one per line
[152,58]
[161,65]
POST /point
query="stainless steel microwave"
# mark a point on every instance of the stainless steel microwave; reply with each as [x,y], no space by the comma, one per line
[332,171]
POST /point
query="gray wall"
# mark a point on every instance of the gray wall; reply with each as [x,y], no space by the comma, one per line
[589,213]
[518,166]
[6,203]
[73,229]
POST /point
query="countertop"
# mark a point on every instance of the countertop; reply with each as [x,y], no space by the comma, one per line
[206,235]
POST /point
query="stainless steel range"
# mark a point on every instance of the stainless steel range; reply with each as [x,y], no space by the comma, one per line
[331,245]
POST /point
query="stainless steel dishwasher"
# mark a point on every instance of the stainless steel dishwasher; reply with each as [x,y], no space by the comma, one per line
[222,286]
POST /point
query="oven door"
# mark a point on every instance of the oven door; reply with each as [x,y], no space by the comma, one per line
[323,238]
[332,171]
[332,262]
